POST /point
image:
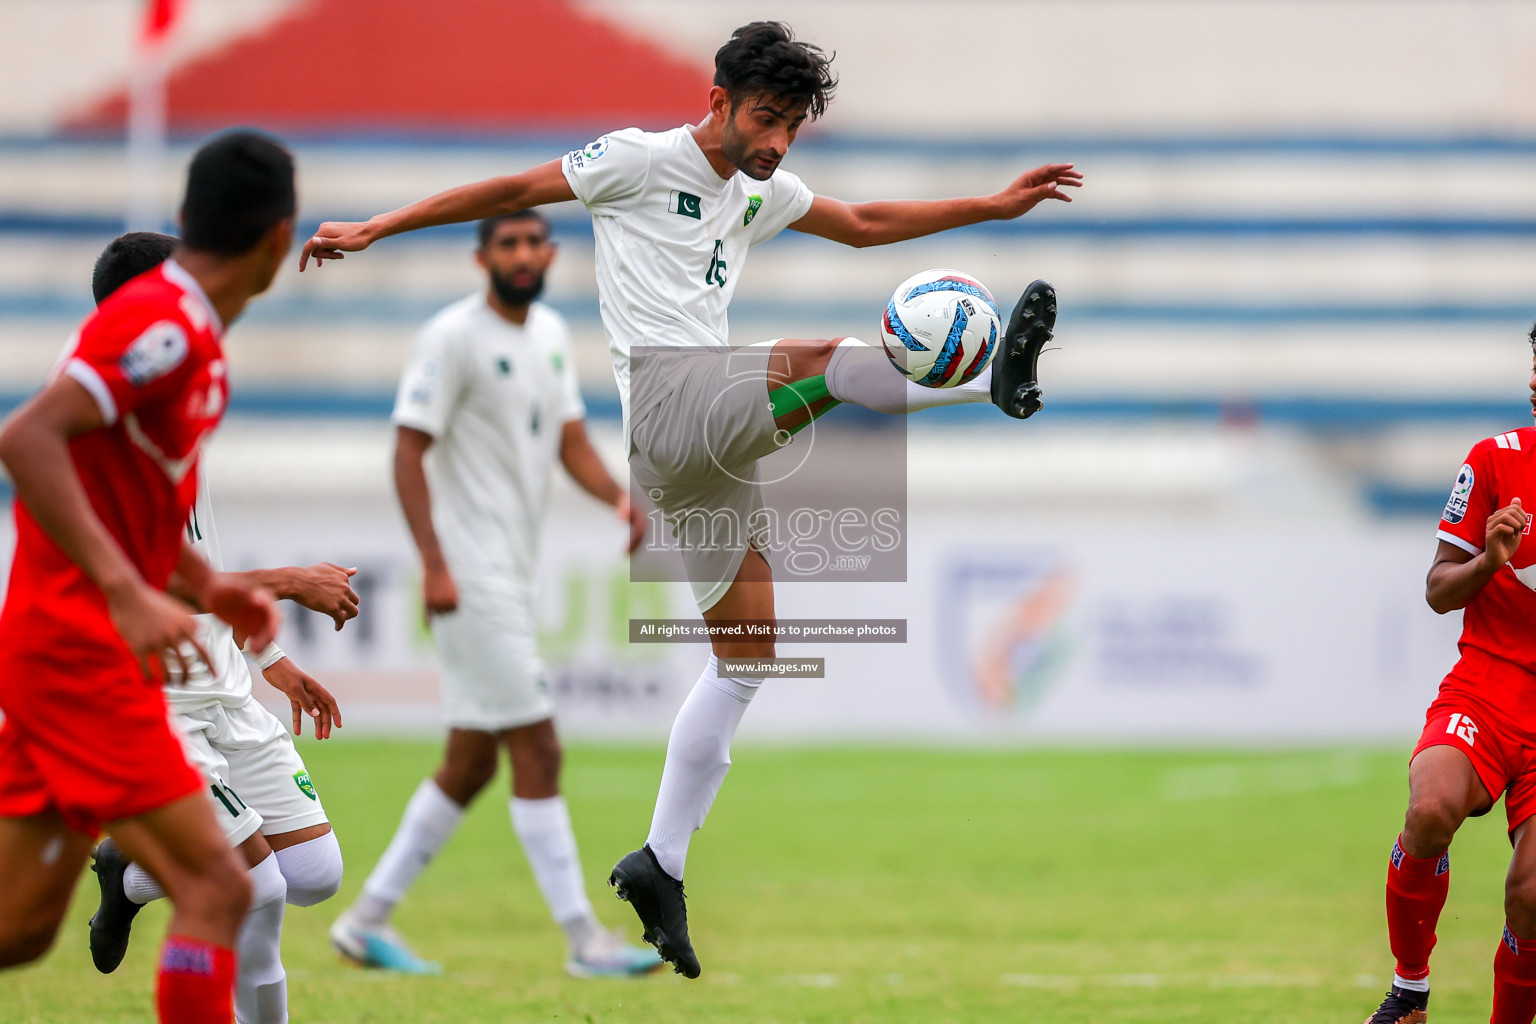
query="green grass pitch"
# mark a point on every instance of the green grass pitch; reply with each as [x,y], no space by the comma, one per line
[885,885]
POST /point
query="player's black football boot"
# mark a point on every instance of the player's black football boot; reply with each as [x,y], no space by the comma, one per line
[1402,1006]
[1015,367]
[658,898]
[113,919]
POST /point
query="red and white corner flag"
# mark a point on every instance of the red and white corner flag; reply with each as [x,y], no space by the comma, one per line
[145,206]
[160,17]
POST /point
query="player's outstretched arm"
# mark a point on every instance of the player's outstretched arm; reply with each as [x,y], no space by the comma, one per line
[1458,575]
[881,223]
[34,446]
[586,467]
[538,186]
[324,587]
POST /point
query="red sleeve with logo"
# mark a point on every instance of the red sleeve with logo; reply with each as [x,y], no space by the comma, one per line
[1464,522]
[136,350]
[1497,619]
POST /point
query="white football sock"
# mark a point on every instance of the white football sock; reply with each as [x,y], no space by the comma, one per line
[261,986]
[140,887]
[544,829]
[1416,985]
[698,756]
[863,375]
[312,869]
[430,819]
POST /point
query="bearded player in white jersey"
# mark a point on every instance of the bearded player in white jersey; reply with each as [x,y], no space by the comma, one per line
[488,404]
[257,783]
[674,215]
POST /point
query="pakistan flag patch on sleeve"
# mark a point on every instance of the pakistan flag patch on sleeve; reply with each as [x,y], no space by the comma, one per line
[754,203]
[301,779]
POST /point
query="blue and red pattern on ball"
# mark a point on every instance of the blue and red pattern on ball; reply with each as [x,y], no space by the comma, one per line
[954,283]
[950,356]
[896,329]
[981,357]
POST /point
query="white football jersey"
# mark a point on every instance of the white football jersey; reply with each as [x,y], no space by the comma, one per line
[228,679]
[494,397]
[672,239]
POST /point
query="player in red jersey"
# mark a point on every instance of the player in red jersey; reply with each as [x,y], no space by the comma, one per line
[104,465]
[1479,739]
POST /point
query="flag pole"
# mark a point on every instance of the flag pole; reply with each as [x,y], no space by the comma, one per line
[146,144]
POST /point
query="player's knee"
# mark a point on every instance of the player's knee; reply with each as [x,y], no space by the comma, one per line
[548,756]
[757,650]
[478,773]
[1432,821]
[313,870]
[28,940]
[462,778]
[219,889]
[817,354]
[1520,901]
[233,887]
[536,763]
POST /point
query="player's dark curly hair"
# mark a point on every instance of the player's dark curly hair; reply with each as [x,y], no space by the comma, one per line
[126,257]
[765,58]
[1532,337]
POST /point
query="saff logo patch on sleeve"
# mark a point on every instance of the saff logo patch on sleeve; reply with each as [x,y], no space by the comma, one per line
[153,354]
[1461,495]
[301,779]
[579,158]
[685,204]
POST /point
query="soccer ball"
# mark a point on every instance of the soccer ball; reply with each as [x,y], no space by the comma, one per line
[940,328]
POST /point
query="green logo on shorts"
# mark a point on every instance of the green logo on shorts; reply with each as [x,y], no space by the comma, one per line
[301,779]
[754,203]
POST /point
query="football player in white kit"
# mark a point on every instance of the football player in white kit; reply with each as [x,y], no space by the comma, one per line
[675,214]
[487,405]
[257,782]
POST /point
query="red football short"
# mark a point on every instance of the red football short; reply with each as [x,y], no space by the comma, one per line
[85,734]
[1486,708]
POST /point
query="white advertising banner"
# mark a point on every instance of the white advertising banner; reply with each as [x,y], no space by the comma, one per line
[1032,630]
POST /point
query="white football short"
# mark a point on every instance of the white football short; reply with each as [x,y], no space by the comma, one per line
[256,779]
[695,453]
[493,678]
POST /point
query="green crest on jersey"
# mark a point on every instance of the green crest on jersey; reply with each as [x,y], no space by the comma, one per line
[301,779]
[504,366]
[754,203]
[556,361]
